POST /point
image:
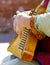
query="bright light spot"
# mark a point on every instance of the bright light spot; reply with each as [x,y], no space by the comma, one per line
[3,2]
[3,51]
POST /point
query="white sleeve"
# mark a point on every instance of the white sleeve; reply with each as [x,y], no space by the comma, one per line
[42,23]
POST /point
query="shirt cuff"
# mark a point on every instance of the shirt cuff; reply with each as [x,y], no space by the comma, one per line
[36,25]
[34,30]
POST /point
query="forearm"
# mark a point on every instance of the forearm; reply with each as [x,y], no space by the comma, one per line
[42,24]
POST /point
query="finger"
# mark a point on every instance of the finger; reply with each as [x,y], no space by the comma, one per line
[17,30]
[14,25]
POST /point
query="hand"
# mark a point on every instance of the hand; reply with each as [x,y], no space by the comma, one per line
[21,20]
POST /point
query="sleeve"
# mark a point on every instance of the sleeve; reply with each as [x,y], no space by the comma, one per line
[41,57]
[42,23]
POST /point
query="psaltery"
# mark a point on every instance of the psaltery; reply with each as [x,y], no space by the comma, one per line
[23,46]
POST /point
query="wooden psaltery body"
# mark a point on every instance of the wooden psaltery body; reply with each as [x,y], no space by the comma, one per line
[23,46]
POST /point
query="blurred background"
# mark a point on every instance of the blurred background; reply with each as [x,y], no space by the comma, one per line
[7,9]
